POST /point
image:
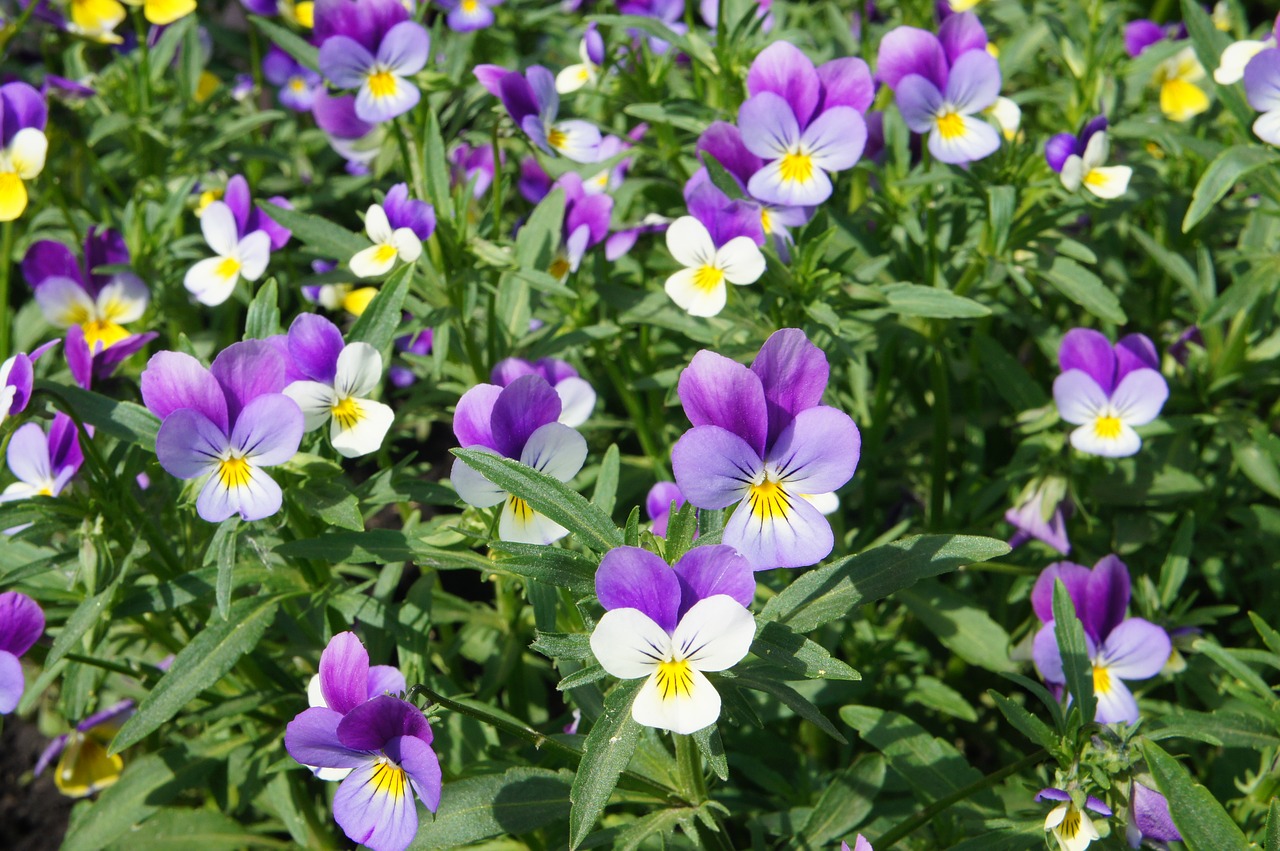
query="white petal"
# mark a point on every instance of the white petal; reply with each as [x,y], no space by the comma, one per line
[376,225]
[555,449]
[1267,127]
[715,634]
[683,710]
[573,78]
[27,150]
[1097,151]
[579,141]
[1072,173]
[629,644]
[690,243]
[694,299]
[1108,182]
[976,139]
[373,261]
[218,225]
[1008,115]
[1055,817]
[1234,59]
[407,244]
[331,774]
[1087,440]
[208,284]
[520,524]
[366,435]
[359,370]
[316,401]
[577,401]
[740,260]
[253,252]
[473,488]
[124,299]
[315,696]
[826,503]
[64,302]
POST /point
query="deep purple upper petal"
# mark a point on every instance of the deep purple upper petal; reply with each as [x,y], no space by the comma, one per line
[372,724]
[314,344]
[103,247]
[1106,598]
[723,141]
[1091,352]
[706,571]
[517,96]
[633,578]
[846,82]
[523,406]
[1074,576]
[960,33]
[238,199]
[21,106]
[1133,352]
[657,503]
[783,69]
[312,739]
[258,220]
[1141,34]
[715,390]
[246,371]
[405,212]
[1059,148]
[344,673]
[793,374]
[1150,812]
[907,50]
[21,622]
[173,380]
[384,679]
[509,369]
[49,259]
[336,115]
[64,444]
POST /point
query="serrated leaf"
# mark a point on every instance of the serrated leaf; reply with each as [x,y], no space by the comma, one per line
[562,645]
[712,749]
[1076,665]
[1203,823]
[606,752]
[586,676]
[835,591]
[204,661]
[509,804]
[779,645]
[1026,723]
[552,565]
[547,495]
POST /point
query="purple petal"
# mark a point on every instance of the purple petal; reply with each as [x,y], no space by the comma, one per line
[706,571]
[1141,34]
[715,390]
[248,370]
[1135,650]
[28,456]
[64,444]
[522,408]
[543,85]
[555,370]
[1106,597]
[490,76]
[1091,352]
[49,259]
[1133,352]
[1074,576]
[508,370]
[1047,656]
[974,83]
[21,622]
[817,452]
[423,767]
[768,125]
[173,380]
[793,374]
[405,212]
[517,96]
[189,444]
[593,212]
[314,344]
[106,361]
[312,739]
[1262,80]
[372,724]
[269,429]
[12,682]
[337,117]
[374,813]
[384,679]
[1059,148]
[1052,794]
[21,106]
[798,538]
[1150,812]
[905,51]
[278,66]
[237,198]
[919,101]
[836,138]
[473,417]
[20,379]
[405,49]
[632,578]
[723,141]
[961,33]
[786,72]
[1097,806]
[846,82]
[258,220]
[344,62]
[713,466]
[658,502]
[344,673]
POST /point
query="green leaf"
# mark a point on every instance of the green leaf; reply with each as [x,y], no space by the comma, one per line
[1009,377]
[94,610]
[585,676]
[333,502]
[606,753]
[327,238]
[845,802]
[122,420]
[562,645]
[222,553]
[1076,665]
[307,55]
[1226,170]
[378,546]
[606,493]
[547,495]
[439,190]
[1235,667]
[682,523]
[199,665]
[203,829]
[712,749]
[1085,289]
[539,237]
[1203,823]
[789,697]
[1026,723]
[377,325]
[263,317]
[779,645]
[552,565]
[1221,728]
[919,300]
[1174,570]
[965,630]
[931,766]
[1273,826]
[509,804]
[835,591]
[147,783]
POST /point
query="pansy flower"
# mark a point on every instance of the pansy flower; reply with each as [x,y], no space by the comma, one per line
[358,142]
[1069,824]
[296,84]
[372,46]
[346,680]
[1141,34]
[1119,648]
[397,228]
[1107,390]
[16,379]
[591,52]
[518,421]
[386,743]
[1088,170]
[1180,98]
[859,844]
[610,179]
[577,397]
[22,145]
[70,293]
[468,15]
[88,365]
[942,84]
[1062,146]
[1149,817]
[339,380]
[1237,56]
[718,242]
[658,505]
[533,104]
[1262,87]
[242,238]
[803,122]
[1040,514]
[762,440]
[96,19]
[43,464]
[21,625]
[670,625]
[468,164]
[227,422]
[85,765]
[586,223]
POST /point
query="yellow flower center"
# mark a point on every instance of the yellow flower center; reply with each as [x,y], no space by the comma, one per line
[1107,428]
[1095,178]
[674,679]
[385,253]
[1101,680]
[355,301]
[796,167]
[951,125]
[708,278]
[102,331]
[557,138]
[298,84]
[768,501]
[1070,827]
[13,196]
[559,267]
[765,221]
[234,472]
[382,84]
[470,6]
[347,413]
[305,14]
[389,779]
[520,508]
[228,268]
[45,491]
[207,197]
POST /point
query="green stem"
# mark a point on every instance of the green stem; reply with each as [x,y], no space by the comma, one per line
[409,152]
[941,434]
[906,828]
[689,765]
[6,267]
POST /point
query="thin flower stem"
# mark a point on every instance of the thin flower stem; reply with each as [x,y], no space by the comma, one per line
[906,828]
[689,765]
[941,434]
[409,151]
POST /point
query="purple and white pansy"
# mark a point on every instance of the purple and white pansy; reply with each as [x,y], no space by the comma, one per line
[1069,824]
[397,228]
[1106,390]
[1120,648]
[372,46]
[762,440]
[519,421]
[577,397]
[242,238]
[591,52]
[942,84]
[16,379]
[23,145]
[533,103]
[227,422]
[295,83]
[21,625]
[803,122]
[339,380]
[669,625]
[43,464]
[719,241]
[1262,87]
[469,15]
[586,223]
